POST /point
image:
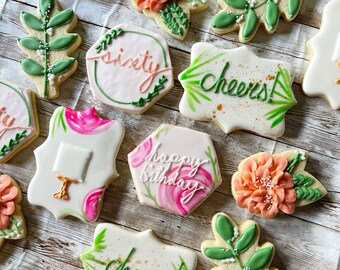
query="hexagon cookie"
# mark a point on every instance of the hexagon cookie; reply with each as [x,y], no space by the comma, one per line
[236,89]
[175,169]
[76,163]
[129,68]
[18,119]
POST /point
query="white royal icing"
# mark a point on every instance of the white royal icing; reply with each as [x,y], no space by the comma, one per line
[218,88]
[129,67]
[145,250]
[322,77]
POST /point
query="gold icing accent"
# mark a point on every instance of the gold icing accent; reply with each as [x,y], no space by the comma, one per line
[62,194]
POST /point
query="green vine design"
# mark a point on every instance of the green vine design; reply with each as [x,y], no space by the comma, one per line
[236,245]
[115,33]
[14,230]
[213,161]
[58,120]
[46,24]
[182,265]
[225,19]
[13,142]
[175,18]
[148,193]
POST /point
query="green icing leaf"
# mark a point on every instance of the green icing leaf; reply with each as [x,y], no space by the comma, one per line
[293,7]
[240,4]
[31,67]
[61,18]
[31,43]
[218,253]
[250,24]
[224,20]
[224,228]
[62,66]
[45,6]
[260,259]
[98,243]
[310,194]
[62,42]
[175,18]
[301,180]
[272,14]
[246,239]
[32,21]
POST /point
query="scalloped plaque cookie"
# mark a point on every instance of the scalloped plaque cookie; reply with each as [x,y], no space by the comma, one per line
[12,221]
[175,169]
[76,163]
[172,16]
[117,248]
[270,184]
[18,119]
[129,68]
[49,46]
[246,16]
[322,77]
[237,247]
[236,89]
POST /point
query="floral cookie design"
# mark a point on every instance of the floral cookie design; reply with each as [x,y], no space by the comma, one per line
[236,247]
[322,77]
[129,68]
[76,163]
[237,90]
[172,16]
[270,184]
[247,15]
[49,46]
[175,169]
[18,119]
[117,248]
[12,221]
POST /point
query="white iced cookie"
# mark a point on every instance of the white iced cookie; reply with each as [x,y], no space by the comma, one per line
[237,247]
[247,15]
[12,220]
[76,163]
[18,119]
[175,169]
[129,68]
[237,90]
[322,77]
[117,248]
[49,46]
[172,16]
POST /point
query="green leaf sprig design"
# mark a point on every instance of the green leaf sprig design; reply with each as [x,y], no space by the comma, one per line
[175,18]
[237,246]
[49,37]
[249,14]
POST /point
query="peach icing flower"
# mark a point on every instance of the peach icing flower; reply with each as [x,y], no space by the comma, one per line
[153,5]
[264,187]
[8,193]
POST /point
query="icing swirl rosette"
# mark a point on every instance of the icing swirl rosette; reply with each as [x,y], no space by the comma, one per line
[188,191]
[153,5]
[264,187]
[8,193]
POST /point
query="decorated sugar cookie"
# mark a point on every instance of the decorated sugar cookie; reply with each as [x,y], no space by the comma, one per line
[323,74]
[12,221]
[18,119]
[76,163]
[247,15]
[129,68]
[117,248]
[172,16]
[237,247]
[175,169]
[270,184]
[49,46]
[237,90]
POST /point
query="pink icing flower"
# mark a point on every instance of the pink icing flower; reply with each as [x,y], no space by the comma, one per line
[265,188]
[137,156]
[153,5]
[8,193]
[91,203]
[86,122]
[188,192]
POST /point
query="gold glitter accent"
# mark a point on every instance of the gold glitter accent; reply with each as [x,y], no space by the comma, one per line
[62,194]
